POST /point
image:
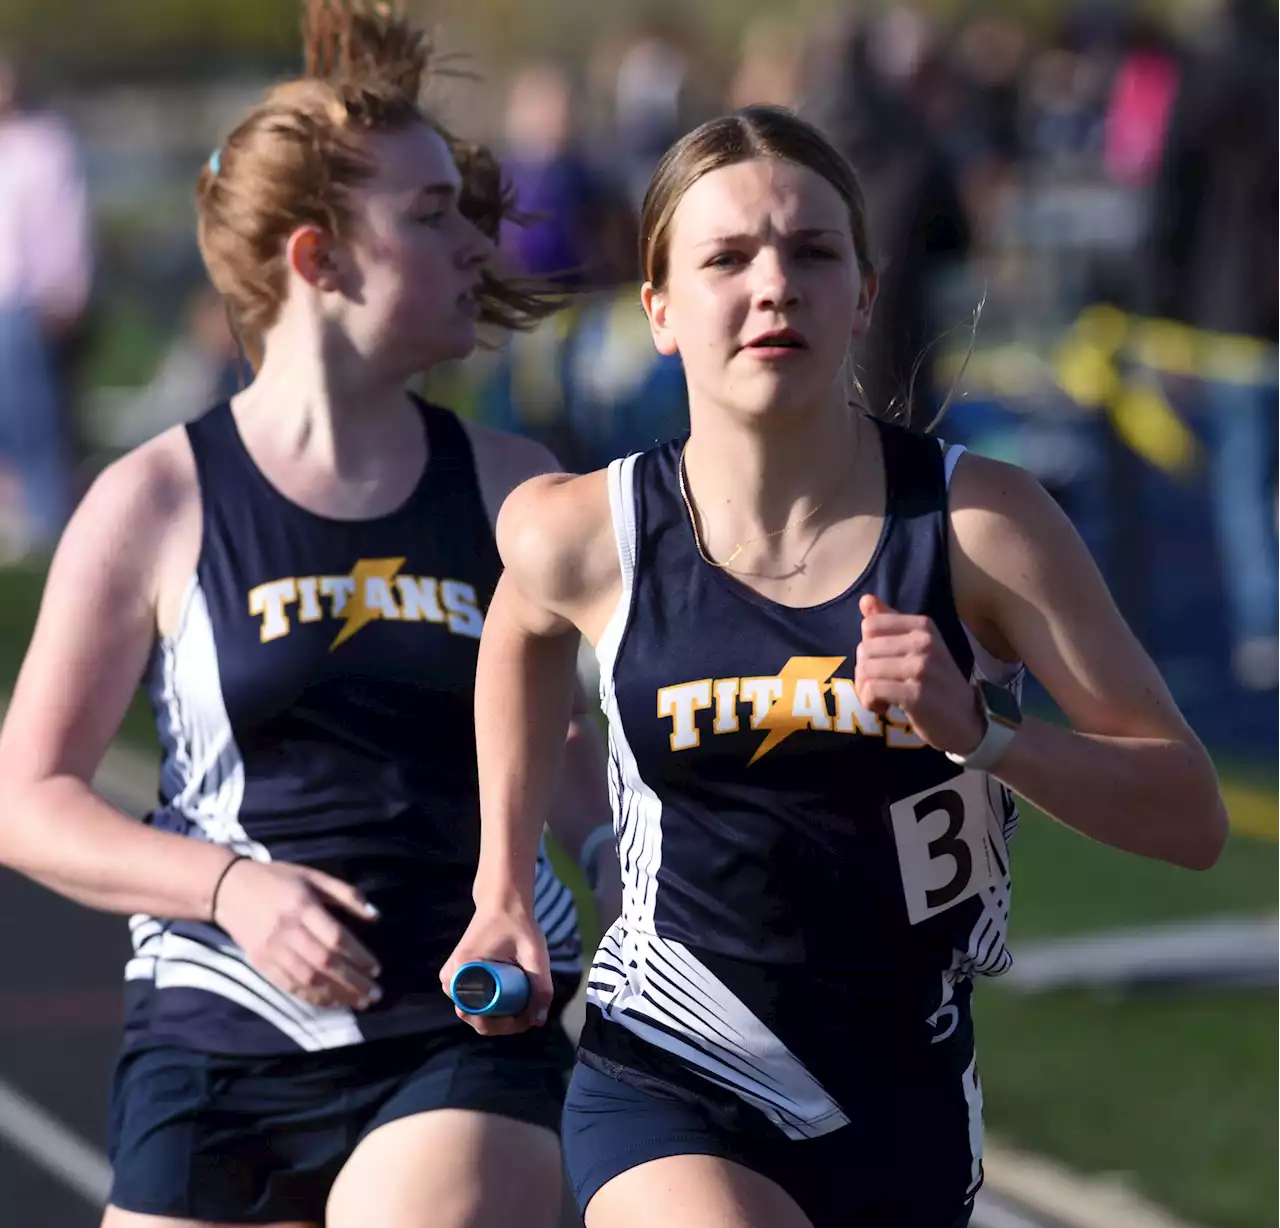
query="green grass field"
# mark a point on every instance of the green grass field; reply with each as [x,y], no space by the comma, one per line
[1175,1092]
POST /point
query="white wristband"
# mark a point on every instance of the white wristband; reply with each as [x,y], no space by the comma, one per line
[597,837]
[989,751]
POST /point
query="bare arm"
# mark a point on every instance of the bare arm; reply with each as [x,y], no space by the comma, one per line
[1129,772]
[556,541]
[581,801]
[524,698]
[90,647]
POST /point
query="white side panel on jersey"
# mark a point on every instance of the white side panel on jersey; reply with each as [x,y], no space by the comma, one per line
[620,479]
[973,1100]
[203,775]
[557,916]
[622,508]
[203,772]
[637,825]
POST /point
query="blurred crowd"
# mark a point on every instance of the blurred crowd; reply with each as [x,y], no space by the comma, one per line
[1024,175]
[1111,161]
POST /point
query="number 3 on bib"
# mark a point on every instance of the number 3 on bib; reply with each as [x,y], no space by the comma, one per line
[944,845]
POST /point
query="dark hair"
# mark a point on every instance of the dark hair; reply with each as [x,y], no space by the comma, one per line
[295,157]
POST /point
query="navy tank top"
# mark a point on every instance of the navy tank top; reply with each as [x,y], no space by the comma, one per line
[808,888]
[315,706]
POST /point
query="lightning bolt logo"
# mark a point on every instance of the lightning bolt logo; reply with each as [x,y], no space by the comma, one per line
[781,720]
[358,613]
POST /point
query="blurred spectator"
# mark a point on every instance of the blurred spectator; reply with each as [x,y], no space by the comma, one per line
[552,179]
[1213,264]
[769,68]
[1064,117]
[650,104]
[1141,99]
[992,52]
[589,383]
[987,56]
[45,275]
[918,226]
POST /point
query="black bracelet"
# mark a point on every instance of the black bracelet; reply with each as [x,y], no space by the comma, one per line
[213,903]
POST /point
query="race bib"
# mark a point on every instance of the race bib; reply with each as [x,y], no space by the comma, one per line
[944,845]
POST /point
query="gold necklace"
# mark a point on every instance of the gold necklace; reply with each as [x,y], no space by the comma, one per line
[741,546]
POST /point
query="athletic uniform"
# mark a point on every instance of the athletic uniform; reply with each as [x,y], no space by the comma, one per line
[808,888]
[315,706]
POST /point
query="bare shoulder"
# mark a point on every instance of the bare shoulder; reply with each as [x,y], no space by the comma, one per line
[99,611]
[137,498]
[1013,549]
[555,535]
[998,507]
[138,524]
[554,530]
[503,461]
[984,486]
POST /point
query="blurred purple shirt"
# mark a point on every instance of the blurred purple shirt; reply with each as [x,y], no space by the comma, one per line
[45,249]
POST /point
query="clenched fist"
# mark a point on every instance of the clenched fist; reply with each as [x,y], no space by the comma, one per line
[903,662]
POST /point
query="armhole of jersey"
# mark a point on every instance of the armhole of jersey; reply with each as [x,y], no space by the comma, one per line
[951,454]
[622,509]
[1008,674]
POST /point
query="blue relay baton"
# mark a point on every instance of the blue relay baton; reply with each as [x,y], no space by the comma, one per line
[483,987]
